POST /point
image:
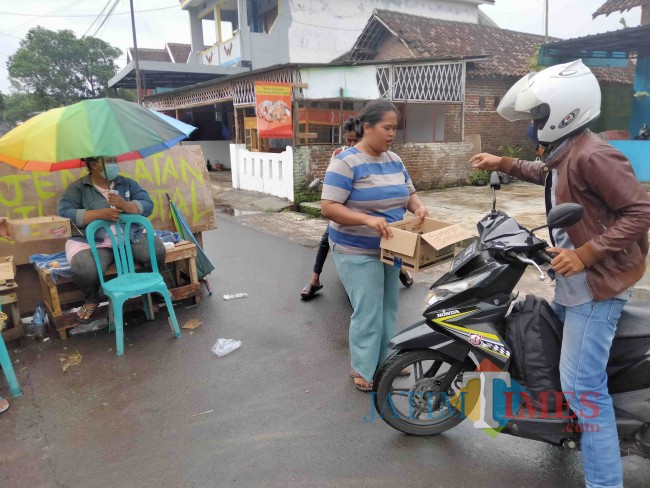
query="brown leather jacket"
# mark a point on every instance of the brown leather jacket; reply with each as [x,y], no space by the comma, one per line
[612,237]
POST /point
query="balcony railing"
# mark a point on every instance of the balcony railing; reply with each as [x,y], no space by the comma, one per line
[223,54]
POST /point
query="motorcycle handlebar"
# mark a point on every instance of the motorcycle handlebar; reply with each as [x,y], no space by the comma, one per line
[544,257]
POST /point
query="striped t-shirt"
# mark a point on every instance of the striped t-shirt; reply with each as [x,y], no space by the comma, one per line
[377,186]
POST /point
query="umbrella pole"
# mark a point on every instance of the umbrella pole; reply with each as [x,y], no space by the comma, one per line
[207,285]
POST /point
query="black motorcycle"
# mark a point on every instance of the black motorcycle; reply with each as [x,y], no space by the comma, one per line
[465,321]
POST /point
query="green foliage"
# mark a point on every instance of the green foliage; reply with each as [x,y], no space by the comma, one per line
[298,198]
[19,107]
[533,63]
[56,68]
[511,151]
[479,177]
[311,211]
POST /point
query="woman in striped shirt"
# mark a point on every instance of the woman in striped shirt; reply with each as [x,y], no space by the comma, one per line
[367,187]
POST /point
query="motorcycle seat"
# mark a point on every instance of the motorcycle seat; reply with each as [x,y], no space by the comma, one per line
[634,322]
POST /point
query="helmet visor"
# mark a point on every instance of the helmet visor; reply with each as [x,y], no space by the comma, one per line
[511,106]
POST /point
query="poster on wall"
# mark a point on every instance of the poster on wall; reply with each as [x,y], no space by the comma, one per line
[273,108]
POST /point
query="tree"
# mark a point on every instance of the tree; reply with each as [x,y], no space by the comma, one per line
[56,68]
[19,107]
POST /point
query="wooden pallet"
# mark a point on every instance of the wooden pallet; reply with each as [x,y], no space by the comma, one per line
[63,294]
[9,302]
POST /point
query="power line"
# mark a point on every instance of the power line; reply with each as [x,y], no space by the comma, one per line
[146,24]
[87,15]
[99,16]
[57,10]
[108,14]
[111,9]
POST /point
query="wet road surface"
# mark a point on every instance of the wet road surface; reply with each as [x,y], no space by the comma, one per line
[279,412]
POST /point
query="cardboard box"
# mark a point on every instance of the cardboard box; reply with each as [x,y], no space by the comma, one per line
[7,268]
[39,228]
[418,246]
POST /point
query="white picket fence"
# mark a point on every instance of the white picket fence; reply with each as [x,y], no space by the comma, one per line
[270,173]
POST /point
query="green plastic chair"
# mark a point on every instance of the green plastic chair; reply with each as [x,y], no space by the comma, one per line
[5,362]
[128,283]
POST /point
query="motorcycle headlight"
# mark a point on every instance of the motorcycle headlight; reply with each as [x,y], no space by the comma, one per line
[441,292]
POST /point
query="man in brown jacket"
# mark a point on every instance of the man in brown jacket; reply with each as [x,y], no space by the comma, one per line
[599,259]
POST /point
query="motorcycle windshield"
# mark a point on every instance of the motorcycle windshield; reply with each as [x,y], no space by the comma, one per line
[503,232]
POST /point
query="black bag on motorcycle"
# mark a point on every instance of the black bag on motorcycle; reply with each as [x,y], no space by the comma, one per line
[534,335]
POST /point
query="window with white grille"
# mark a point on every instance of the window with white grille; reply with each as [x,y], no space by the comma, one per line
[439,82]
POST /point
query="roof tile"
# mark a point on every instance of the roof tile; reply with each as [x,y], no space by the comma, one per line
[508,52]
[612,6]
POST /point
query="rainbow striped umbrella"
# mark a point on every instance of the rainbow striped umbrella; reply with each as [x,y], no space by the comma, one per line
[59,138]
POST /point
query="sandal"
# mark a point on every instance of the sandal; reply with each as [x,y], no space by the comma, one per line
[4,405]
[360,383]
[309,291]
[90,312]
[406,278]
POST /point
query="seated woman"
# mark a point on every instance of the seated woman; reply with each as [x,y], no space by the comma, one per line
[102,195]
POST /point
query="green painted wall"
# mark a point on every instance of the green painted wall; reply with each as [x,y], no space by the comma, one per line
[615,109]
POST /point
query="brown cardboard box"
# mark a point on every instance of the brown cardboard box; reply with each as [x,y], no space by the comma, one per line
[418,246]
[39,228]
[7,268]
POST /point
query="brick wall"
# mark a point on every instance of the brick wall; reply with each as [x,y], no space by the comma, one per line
[430,165]
[453,120]
[482,96]
[389,48]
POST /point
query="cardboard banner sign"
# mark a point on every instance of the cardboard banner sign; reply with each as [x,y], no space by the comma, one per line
[179,172]
[273,109]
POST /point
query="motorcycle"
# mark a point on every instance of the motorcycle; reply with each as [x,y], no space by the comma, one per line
[464,325]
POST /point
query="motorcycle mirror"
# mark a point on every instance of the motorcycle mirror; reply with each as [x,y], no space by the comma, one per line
[495,181]
[314,184]
[563,215]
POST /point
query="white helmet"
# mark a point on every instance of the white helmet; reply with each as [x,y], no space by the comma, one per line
[559,99]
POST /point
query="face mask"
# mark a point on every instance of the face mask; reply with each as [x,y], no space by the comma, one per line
[111,169]
[532,133]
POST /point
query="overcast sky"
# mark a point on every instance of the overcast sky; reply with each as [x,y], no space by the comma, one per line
[161,21]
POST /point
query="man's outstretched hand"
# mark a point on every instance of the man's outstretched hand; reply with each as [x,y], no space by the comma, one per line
[485,161]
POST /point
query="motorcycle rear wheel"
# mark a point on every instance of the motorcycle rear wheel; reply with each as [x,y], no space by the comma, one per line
[415,404]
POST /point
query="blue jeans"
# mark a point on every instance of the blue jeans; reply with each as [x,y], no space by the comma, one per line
[588,333]
[373,290]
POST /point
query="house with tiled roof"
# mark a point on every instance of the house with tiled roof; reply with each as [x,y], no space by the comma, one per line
[229,37]
[503,57]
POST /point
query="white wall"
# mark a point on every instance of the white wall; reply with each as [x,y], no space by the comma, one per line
[323,31]
[326,30]
[270,173]
[215,151]
[358,82]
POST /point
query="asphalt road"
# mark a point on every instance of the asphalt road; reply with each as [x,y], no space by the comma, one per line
[279,412]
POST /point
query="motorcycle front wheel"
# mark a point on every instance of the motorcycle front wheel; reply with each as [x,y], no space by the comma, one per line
[425,402]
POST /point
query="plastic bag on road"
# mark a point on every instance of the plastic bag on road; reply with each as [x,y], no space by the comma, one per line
[225,346]
[235,295]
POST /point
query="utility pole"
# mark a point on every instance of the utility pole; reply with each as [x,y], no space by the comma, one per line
[135,56]
[545,22]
